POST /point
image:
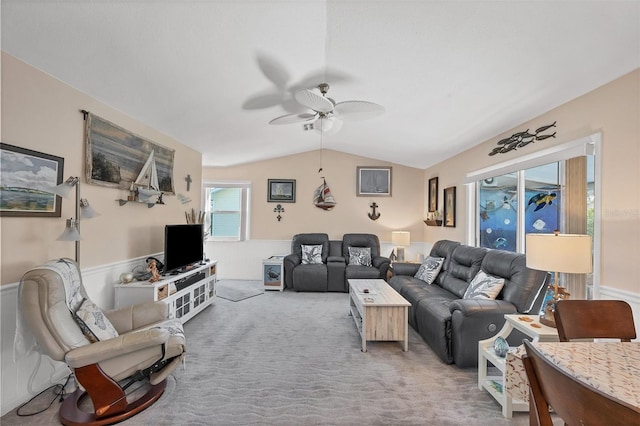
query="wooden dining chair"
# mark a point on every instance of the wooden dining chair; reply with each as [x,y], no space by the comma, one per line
[576,403]
[594,319]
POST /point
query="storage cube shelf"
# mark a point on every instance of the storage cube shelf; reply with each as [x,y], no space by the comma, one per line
[186,294]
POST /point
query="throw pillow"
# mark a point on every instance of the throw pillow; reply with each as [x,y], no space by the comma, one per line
[311,255]
[484,286]
[360,256]
[429,269]
[93,323]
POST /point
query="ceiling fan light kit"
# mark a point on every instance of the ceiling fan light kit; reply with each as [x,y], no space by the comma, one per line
[325,109]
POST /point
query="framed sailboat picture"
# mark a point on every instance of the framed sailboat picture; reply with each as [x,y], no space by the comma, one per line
[120,159]
[281,190]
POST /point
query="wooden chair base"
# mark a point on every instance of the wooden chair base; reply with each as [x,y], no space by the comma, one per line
[71,415]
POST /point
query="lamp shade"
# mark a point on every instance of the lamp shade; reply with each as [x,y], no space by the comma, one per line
[568,253]
[401,238]
[71,232]
[65,187]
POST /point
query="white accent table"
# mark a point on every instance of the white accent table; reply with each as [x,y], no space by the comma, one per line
[273,273]
[496,385]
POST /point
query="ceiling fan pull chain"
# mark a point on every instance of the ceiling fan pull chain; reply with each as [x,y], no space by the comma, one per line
[320,169]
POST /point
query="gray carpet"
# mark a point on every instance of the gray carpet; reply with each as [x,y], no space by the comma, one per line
[289,358]
[237,290]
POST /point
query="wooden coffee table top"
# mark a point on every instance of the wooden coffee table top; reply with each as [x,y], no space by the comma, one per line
[380,293]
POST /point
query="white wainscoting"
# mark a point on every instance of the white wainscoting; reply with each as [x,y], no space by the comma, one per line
[632,299]
[24,375]
[242,260]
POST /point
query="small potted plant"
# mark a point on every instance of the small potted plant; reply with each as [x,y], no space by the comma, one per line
[434,218]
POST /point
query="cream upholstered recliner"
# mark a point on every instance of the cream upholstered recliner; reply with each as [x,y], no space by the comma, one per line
[107,351]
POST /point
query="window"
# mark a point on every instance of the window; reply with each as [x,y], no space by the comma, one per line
[552,189]
[227,210]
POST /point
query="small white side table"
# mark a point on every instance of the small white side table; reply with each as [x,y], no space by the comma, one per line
[496,385]
[273,273]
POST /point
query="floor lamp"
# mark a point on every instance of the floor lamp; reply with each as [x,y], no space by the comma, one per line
[83,209]
[568,253]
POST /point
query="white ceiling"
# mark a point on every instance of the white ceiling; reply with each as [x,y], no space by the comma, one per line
[450,74]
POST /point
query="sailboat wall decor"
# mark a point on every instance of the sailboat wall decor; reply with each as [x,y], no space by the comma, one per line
[117,157]
[322,197]
[147,180]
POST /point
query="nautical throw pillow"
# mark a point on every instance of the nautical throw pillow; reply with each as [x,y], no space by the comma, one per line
[484,286]
[311,255]
[429,269]
[360,256]
[96,325]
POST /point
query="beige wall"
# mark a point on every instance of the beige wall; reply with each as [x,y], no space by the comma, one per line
[613,110]
[404,210]
[43,114]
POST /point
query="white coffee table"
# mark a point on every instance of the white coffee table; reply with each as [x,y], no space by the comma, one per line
[381,314]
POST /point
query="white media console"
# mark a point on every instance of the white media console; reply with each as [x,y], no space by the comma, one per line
[186,293]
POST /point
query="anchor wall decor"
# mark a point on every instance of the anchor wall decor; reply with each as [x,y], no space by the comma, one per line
[373,215]
[278,209]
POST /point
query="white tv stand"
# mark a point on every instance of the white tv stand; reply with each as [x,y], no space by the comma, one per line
[186,293]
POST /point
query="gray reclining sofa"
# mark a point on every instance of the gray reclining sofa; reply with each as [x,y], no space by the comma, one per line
[335,268]
[451,325]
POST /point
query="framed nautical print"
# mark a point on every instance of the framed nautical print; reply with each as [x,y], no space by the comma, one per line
[120,159]
[373,181]
[450,207]
[433,194]
[281,190]
[27,180]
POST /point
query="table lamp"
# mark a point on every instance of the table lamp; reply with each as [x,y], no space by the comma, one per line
[400,239]
[568,253]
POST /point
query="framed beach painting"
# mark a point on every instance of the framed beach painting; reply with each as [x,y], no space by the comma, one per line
[281,190]
[450,206]
[373,181]
[27,180]
[117,158]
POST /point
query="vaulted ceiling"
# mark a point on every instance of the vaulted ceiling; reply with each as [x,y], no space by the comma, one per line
[450,74]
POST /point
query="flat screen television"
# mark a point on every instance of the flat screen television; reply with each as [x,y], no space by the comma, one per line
[182,246]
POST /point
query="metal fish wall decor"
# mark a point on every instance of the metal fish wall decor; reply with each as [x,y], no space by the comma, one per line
[522,139]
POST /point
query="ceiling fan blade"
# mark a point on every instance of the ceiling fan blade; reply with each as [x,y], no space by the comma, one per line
[328,126]
[294,119]
[358,110]
[264,100]
[273,70]
[313,101]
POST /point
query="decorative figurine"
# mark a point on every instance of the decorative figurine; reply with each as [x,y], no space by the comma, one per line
[155,276]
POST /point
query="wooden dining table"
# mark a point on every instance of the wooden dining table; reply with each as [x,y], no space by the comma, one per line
[611,367]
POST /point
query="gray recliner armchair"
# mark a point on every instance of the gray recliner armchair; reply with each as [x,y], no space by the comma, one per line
[379,264]
[107,351]
[326,275]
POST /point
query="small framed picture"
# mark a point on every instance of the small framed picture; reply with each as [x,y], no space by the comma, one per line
[28,177]
[433,194]
[450,207]
[281,191]
[373,182]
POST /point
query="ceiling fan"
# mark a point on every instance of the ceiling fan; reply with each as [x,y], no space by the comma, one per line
[327,115]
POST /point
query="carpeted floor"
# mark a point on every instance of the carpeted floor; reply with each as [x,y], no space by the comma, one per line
[288,358]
